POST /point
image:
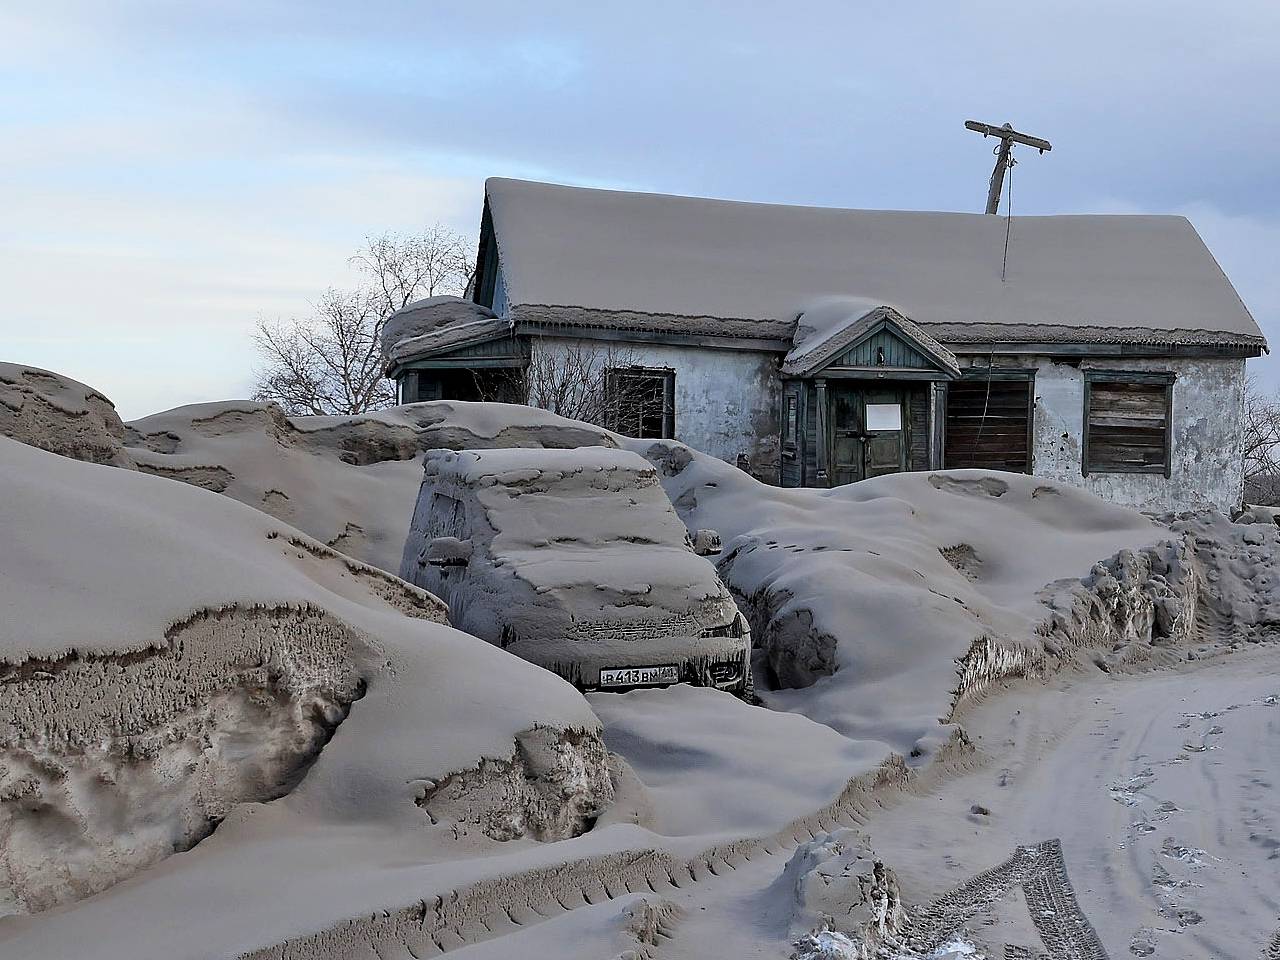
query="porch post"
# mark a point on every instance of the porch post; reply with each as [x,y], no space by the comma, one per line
[823,454]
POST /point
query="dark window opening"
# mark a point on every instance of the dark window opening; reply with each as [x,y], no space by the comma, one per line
[1126,422]
[496,384]
[791,423]
[641,402]
[989,421]
[429,388]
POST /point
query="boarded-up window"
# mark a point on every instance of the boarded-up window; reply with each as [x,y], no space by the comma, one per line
[641,403]
[989,422]
[1127,422]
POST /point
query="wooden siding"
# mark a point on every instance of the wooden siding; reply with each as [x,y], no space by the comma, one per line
[918,428]
[810,433]
[989,424]
[897,353]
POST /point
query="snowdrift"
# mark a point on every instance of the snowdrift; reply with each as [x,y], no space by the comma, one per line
[56,413]
[350,482]
[869,601]
[216,706]
[170,659]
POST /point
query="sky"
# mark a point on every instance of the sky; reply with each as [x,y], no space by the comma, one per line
[170,173]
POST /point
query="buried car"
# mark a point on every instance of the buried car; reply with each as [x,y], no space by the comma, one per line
[575,560]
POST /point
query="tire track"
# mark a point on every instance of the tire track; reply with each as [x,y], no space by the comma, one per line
[437,925]
[1041,871]
[1272,950]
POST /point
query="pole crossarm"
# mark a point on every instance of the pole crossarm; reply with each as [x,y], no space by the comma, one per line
[1007,137]
[1006,132]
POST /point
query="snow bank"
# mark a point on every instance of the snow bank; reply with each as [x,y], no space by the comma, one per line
[350,482]
[715,766]
[56,413]
[866,599]
[171,658]
[840,885]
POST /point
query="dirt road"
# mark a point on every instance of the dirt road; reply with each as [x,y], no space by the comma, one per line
[1160,789]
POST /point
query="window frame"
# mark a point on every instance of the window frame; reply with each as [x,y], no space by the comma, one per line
[1163,378]
[791,421]
[668,378]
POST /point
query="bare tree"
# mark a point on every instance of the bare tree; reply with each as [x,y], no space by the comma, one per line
[331,362]
[404,269]
[593,381]
[1261,445]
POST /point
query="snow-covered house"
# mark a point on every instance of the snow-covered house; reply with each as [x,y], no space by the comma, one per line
[819,346]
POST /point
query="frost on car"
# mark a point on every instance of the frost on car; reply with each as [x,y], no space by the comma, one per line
[575,560]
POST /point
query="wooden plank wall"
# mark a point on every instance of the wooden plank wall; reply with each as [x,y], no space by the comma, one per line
[989,430]
[810,436]
[896,353]
[1128,426]
[918,427]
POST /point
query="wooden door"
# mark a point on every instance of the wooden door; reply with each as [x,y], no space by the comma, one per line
[884,418]
[868,433]
[847,447]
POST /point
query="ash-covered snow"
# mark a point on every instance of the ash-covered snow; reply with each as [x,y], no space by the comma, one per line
[573,559]
[378,784]
[350,482]
[422,318]
[853,594]
[171,658]
[828,945]
[1087,277]
[56,413]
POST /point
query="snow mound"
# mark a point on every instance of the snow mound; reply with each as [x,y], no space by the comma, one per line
[58,414]
[171,659]
[878,606]
[350,482]
[839,885]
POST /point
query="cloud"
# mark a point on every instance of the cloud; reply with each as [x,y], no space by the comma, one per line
[172,170]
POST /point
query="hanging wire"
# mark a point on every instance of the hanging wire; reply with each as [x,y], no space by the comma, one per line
[1008,219]
[986,403]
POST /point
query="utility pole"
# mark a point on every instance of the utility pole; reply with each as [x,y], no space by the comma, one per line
[1008,137]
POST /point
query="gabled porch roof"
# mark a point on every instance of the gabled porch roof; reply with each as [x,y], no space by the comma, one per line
[855,335]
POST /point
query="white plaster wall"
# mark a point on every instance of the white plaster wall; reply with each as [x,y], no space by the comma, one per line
[1206,453]
[727,401]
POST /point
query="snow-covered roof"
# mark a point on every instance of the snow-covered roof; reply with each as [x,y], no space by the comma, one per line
[713,267]
[436,324]
[444,339]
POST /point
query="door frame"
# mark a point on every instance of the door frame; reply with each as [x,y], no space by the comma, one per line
[827,400]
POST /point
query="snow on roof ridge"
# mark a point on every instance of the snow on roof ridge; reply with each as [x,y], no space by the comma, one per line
[520,182]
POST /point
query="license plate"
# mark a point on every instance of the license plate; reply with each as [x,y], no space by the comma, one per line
[640,676]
